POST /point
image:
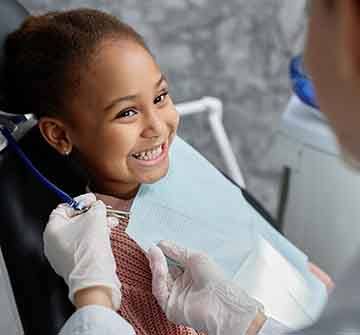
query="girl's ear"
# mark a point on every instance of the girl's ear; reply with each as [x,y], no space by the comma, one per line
[56,134]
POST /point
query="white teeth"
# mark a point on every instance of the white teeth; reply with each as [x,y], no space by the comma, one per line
[149,155]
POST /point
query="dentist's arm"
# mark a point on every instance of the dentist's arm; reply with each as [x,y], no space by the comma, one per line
[78,248]
[201,297]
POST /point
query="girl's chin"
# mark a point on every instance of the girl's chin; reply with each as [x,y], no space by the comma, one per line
[154,176]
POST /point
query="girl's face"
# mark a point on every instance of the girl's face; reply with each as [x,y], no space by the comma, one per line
[123,119]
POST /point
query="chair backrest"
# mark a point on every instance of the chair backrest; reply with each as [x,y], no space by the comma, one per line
[40,295]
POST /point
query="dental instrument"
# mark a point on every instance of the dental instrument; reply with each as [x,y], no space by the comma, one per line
[171,262]
[117,213]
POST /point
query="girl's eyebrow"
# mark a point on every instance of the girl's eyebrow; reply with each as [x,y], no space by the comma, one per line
[162,78]
[133,96]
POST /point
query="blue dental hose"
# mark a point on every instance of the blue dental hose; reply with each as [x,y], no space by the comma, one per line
[61,194]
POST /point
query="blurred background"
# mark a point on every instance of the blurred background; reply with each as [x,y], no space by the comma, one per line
[235,50]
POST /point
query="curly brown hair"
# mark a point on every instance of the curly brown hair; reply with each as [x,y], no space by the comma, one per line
[45,58]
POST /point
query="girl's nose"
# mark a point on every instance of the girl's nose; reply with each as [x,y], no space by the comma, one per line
[154,125]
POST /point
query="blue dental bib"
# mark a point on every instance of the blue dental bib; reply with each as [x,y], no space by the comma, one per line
[195,206]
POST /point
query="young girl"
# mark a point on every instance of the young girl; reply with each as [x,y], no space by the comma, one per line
[100,97]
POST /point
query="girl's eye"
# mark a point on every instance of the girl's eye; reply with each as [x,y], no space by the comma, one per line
[161,98]
[126,113]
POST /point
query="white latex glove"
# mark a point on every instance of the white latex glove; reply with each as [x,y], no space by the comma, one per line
[78,248]
[199,296]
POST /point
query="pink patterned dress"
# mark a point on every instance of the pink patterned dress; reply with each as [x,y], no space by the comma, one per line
[139,307]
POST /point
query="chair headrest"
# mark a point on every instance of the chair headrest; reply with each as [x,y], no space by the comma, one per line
[12,14]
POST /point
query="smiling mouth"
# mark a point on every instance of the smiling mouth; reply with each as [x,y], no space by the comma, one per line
[149,155]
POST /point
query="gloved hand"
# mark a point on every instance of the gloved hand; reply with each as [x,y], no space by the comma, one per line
[199,296]
[78,248]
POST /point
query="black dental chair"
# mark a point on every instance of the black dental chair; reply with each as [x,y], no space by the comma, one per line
[40,295]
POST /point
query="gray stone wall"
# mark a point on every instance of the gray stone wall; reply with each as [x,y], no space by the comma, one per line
[236,50]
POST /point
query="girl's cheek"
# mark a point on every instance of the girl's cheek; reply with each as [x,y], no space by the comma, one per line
[175,117]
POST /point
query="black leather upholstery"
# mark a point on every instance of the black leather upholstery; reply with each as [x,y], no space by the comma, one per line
[41,295]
